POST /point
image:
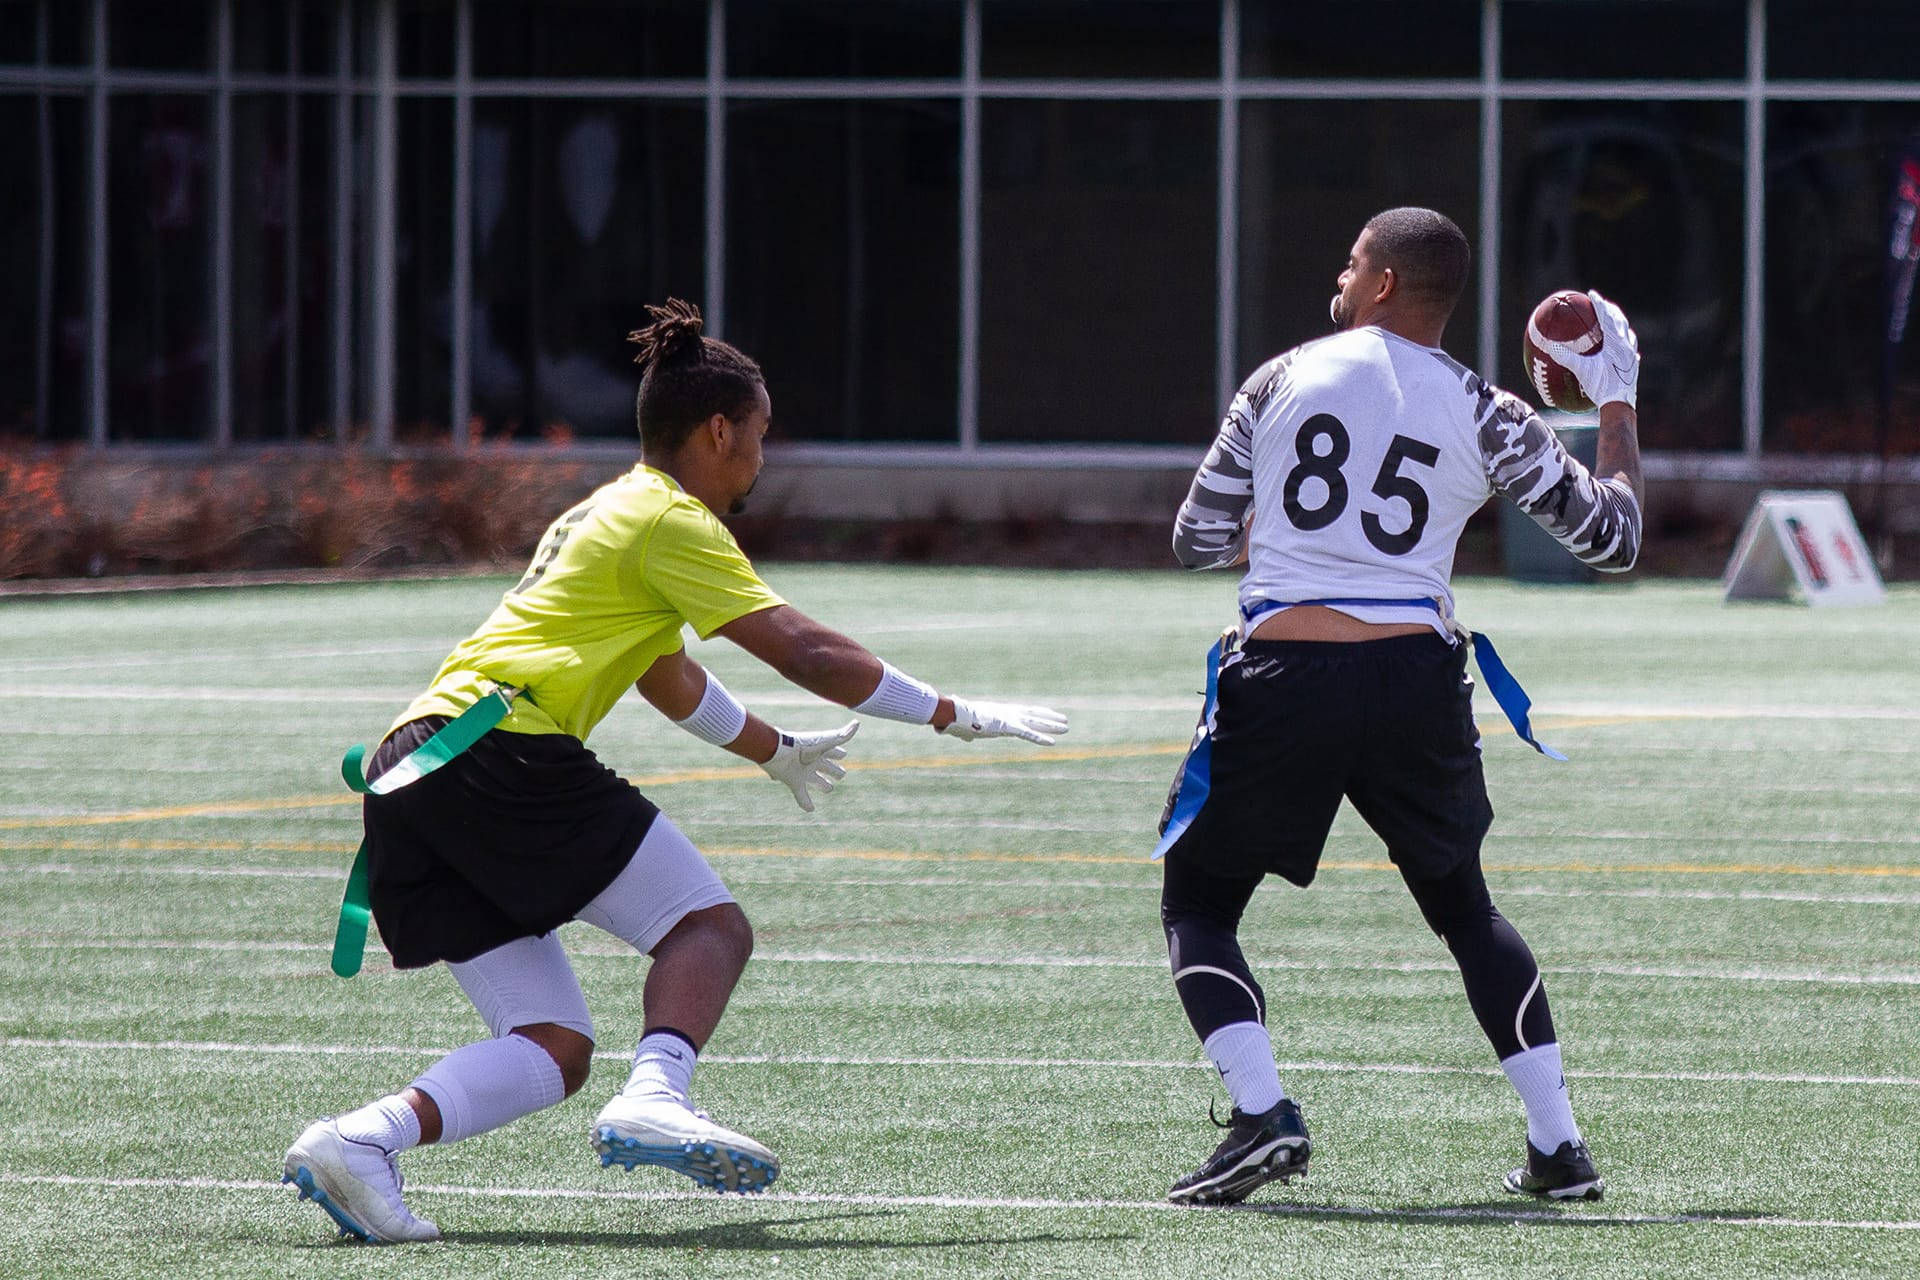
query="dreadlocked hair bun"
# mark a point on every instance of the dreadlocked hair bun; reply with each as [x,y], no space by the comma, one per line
[673,336]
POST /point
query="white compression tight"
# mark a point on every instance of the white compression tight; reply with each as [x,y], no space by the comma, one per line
[528,981]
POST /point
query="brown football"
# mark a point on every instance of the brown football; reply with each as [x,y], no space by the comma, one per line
[1564,323]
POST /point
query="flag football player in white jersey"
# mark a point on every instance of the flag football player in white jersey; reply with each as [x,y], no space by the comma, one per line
[477,863]
[1341,478]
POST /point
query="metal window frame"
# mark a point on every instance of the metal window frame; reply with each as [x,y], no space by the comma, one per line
[373,286]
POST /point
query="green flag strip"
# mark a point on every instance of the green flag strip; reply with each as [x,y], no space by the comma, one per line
[465,729]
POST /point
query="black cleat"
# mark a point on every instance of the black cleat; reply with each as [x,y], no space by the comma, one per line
[1567,1174]
[1257,1150]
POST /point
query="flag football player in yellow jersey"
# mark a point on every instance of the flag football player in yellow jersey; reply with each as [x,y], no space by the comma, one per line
[477,863]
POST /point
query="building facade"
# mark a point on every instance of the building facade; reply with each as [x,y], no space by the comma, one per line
[951,230]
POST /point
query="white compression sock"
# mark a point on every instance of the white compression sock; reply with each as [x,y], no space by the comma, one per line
[1537,1078]
[484,1085]
[1244,1054]
[389,1124]
[662,1064]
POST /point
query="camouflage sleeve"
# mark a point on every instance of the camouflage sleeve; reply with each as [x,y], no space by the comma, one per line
[1211,529]
[1598,520]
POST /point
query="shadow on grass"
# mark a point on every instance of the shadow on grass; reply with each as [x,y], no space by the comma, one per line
[1503,1212]
[762,1236]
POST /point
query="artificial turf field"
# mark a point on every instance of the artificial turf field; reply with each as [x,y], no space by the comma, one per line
[958,1030]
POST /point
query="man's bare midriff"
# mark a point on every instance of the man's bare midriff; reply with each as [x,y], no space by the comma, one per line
[1316,622]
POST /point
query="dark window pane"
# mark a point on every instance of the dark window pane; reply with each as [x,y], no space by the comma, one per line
[614,39]
[1311,174]
[890,39]
[1144,39]
[583,210]
[19,31]
[843,243]
[424,34]
[1624,39]
[1099,232]
[43,218]
[260,35]
[423,265]
[67,40]
[1369,39]
[1843,39]
[159,230]
[1641,201]
[158,37]
[1830,180]
[317,30]
[282,267]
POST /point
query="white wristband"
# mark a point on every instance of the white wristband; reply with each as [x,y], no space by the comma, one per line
[719,718]
[900,697]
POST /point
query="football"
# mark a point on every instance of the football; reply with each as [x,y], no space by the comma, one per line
[1564,323]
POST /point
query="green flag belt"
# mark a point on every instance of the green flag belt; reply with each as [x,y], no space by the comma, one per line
[465,729]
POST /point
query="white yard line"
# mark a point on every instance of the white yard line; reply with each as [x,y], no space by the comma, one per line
[200,658]
[909,1062]
[1682,973]
[1006,1203]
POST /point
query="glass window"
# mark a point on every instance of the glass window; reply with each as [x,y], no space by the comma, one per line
[278,35]
[260,36]
[43,219]
[158,37]
[317,37]
[1140,39]
[423,270]
[1624,39]
[282,267]
[1311,174]
[424,38]
[68,25]
[25,24]
[1831,174]
[843,244]
[886,39]
[614,39]
[20,31]
[1099,233]
[583,210]
[159,230]
[1843,39]
[1364,39]
[1642,201]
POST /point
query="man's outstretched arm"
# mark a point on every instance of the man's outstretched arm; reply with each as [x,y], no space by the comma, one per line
[840,669]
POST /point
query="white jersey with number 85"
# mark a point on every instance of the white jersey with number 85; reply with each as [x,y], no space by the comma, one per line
[1361,457]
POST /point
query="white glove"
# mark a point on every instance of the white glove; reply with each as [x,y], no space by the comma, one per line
[807,760]
[1613,372]
[1004,720]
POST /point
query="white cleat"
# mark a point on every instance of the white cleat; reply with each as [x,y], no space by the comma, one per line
[659,1130]
[357,1183]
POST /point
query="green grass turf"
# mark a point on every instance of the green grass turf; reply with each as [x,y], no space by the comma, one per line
[957,1030]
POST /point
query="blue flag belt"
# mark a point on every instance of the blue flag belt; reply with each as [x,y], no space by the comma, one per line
[1194,778]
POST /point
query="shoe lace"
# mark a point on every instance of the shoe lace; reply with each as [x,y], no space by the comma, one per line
[393,1167]
[1218,1123]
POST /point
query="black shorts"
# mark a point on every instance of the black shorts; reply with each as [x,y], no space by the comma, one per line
[1386,723]
[507,840]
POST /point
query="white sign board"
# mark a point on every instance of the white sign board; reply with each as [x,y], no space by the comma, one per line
[1806,537]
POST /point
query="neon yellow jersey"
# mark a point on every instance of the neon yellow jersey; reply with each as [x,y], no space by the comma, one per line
[610,586]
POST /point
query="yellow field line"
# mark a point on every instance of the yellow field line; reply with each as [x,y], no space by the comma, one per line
[719,774]
[981,855]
